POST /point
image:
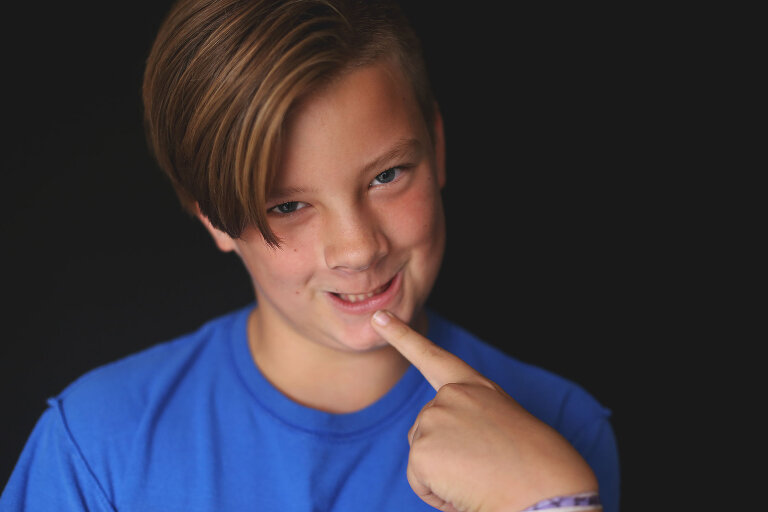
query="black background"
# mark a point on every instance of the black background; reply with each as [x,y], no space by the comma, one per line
[556,244]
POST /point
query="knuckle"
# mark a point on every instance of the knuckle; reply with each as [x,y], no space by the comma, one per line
[413,479]
[420,451]
[413,432]
[432,418]
[450,391]
[426,418]
[488,383]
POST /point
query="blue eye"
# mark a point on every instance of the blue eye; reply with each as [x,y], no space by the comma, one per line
[289,207]
[387,176]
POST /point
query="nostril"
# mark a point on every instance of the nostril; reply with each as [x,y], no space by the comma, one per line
[355,246]
[357,260]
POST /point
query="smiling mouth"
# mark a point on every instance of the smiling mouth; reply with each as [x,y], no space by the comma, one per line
[358,297]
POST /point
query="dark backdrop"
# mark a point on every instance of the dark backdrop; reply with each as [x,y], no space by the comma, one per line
[551,251]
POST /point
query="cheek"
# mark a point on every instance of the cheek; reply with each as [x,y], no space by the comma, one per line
[280,271]
[417,219]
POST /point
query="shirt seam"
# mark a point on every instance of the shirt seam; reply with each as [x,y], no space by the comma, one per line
[56,404]
[329,435]
[563,404]
[322,434]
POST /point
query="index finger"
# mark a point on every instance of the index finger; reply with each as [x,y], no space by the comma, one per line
[437,365]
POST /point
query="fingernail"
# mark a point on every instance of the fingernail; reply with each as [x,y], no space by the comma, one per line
[381,317]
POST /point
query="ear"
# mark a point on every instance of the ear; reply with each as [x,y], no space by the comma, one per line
[223,240]
[439,146]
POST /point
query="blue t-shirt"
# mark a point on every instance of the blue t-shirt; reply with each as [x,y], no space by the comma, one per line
[192,425]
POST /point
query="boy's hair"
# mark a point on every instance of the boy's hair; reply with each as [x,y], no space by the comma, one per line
[223,75]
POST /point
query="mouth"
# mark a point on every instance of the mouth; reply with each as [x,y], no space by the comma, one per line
[359,297]
[370,301]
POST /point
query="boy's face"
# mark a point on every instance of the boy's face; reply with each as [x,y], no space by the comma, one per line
[357,208]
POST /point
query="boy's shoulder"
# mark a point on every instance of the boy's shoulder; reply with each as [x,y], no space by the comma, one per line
[554,399]
[118,394]
[92,431]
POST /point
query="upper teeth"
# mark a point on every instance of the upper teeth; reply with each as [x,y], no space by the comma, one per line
[356,297]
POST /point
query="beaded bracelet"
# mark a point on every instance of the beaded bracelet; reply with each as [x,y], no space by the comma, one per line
[573,502]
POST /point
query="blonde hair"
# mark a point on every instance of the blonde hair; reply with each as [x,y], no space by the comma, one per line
[223,75]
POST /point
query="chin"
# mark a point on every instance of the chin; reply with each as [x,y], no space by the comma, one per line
[362,340]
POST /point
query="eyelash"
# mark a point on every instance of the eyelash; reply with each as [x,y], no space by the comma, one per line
[400,168]
[276,209]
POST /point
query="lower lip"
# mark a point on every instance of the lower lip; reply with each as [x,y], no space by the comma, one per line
[370,304]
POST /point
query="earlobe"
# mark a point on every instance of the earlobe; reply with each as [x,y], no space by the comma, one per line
[223,241]
[439,147]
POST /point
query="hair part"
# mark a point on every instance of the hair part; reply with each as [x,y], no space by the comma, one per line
[223,76]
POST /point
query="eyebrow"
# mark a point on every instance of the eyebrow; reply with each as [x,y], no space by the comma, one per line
[406,148]
[281,193]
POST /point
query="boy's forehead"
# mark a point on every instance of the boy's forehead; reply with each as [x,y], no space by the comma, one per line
[377,90]
[365,119]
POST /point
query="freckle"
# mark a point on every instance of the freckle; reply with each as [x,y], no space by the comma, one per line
[295,250]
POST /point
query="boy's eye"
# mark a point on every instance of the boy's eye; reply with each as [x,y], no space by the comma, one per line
[387,176]
[289,207]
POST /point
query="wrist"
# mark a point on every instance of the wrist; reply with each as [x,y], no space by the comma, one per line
[585,501]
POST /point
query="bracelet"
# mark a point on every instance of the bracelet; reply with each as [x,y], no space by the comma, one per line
[572,502]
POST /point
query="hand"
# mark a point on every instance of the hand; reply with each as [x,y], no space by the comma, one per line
[473,447]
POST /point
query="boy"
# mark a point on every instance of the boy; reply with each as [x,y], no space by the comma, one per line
[304,136]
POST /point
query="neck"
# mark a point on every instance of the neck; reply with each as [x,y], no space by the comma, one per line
[319,376]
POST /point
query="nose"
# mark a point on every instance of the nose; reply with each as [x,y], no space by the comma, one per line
[354,241]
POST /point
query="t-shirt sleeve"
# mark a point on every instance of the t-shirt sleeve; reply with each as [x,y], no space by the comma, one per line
[586,424]
[597,444]
[51,473]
